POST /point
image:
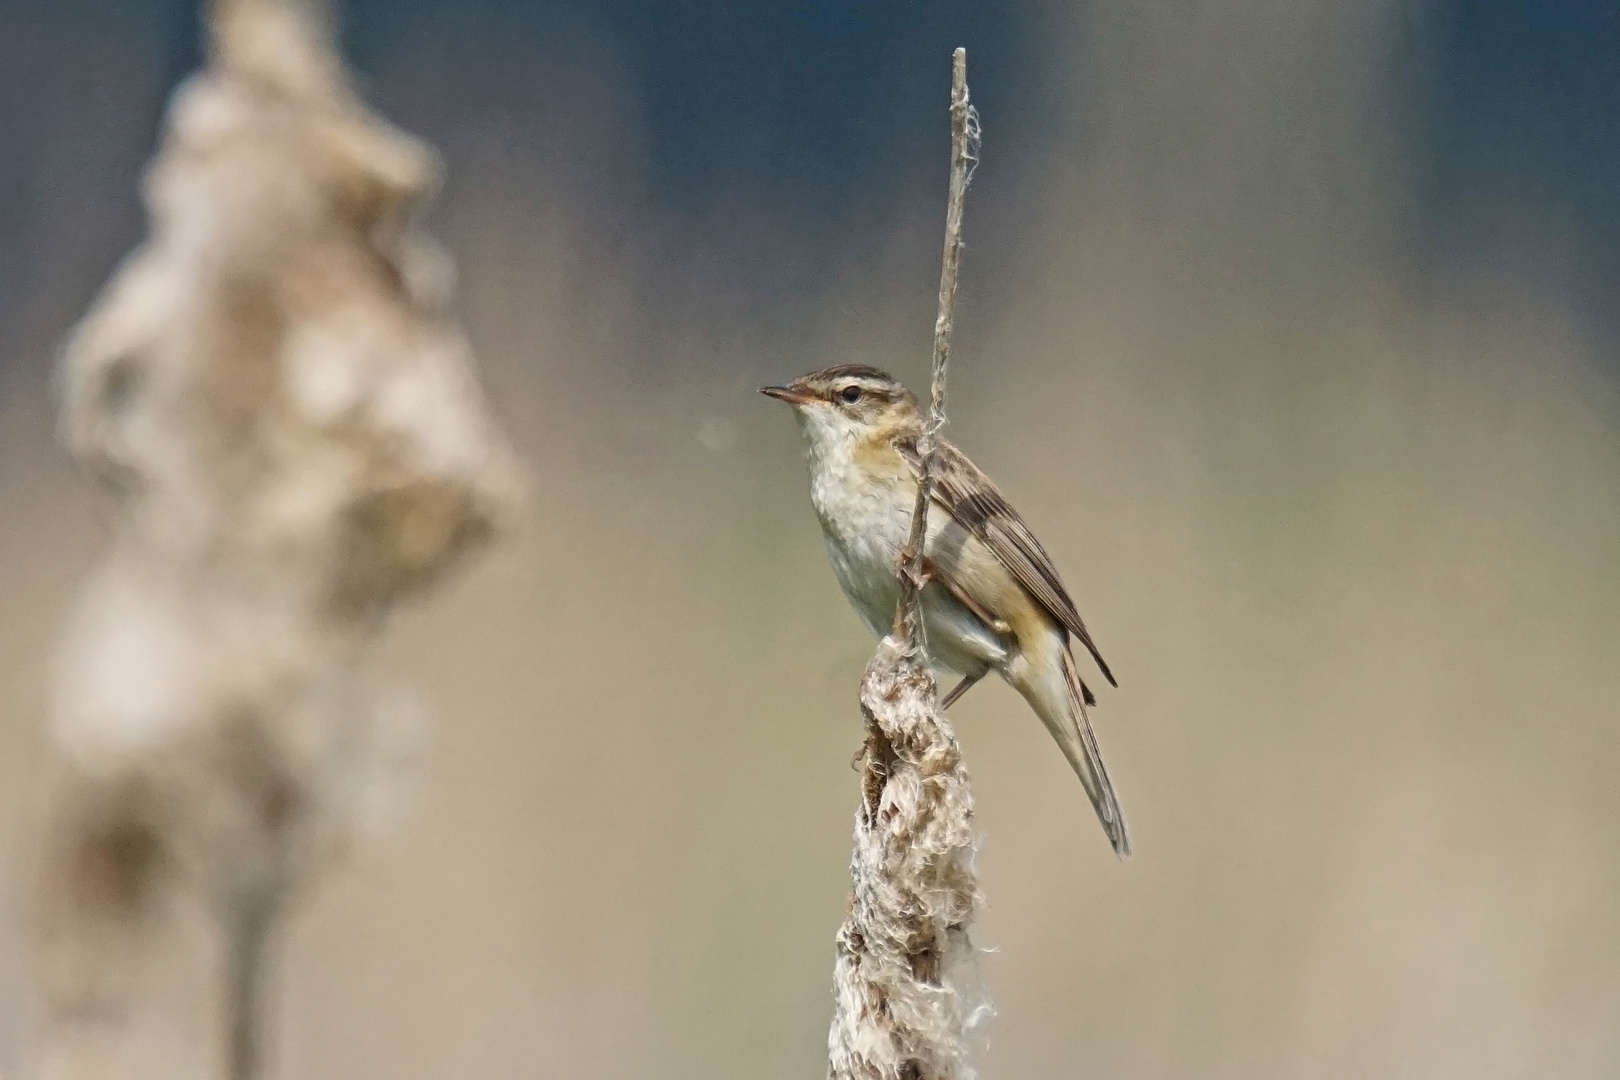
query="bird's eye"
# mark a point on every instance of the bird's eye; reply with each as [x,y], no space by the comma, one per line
[850,394]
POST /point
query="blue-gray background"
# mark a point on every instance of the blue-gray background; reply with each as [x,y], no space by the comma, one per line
[1288,325]
[818,114]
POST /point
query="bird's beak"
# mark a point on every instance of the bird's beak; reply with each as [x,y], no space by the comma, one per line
[787,394]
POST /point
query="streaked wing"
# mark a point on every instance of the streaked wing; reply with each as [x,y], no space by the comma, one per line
[963,489]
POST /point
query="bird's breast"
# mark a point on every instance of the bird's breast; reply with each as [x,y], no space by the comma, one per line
[865,514]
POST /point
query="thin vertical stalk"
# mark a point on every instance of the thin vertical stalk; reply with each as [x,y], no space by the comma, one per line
[964,151]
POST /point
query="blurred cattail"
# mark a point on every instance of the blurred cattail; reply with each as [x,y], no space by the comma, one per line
[905,1000]
[284,431]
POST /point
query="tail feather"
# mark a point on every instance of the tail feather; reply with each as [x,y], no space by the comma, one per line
[1049,682]
[1089,763]
[1060,700]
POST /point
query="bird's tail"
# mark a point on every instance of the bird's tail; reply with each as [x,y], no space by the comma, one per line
[1062,708]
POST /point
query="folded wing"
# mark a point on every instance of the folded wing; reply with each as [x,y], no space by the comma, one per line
[967,494]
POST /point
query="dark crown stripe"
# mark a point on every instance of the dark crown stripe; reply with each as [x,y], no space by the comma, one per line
[851,371]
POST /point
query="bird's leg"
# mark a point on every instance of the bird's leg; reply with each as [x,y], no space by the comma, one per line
[931,572]
[961,688]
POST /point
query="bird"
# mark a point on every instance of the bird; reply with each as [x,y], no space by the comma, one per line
[993,600]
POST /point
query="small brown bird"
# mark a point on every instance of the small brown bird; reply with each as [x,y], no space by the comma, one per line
[993,602]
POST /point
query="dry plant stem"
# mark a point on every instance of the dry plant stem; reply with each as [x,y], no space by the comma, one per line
[904,997]
[964,136]
[248,936]
[282,427]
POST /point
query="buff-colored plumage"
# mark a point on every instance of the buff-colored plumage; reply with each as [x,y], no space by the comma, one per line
[995,601]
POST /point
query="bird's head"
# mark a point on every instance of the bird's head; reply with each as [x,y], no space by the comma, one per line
[849,403]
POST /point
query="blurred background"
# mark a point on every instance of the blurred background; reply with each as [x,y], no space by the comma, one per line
[1290,329]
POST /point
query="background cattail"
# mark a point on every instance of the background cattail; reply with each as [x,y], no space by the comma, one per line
[284,432]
